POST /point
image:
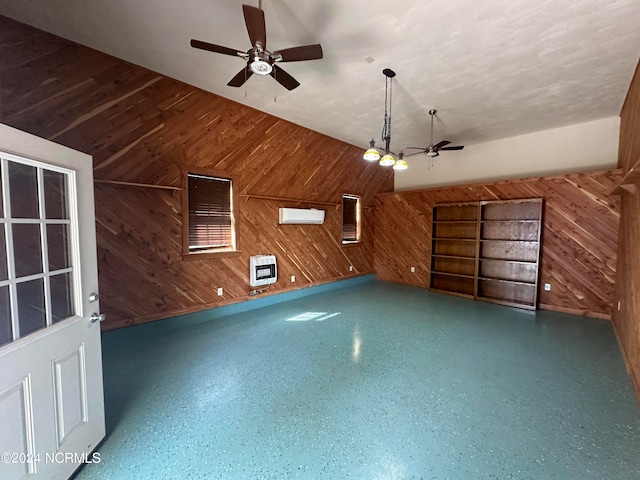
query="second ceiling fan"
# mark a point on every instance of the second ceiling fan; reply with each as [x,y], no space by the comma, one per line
[260,60]
[432,150]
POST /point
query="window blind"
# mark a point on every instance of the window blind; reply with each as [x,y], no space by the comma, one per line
[349,218]
[210,218]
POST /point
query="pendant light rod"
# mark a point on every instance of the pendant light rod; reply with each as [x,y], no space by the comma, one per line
[372,154]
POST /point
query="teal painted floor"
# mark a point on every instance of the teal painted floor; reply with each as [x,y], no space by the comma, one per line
[376,381]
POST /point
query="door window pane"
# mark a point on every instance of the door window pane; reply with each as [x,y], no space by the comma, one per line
[55,195]
[27,249]
[61,297]
[58,247]
[23,189]
[31,312]
[6,334]
[3,255]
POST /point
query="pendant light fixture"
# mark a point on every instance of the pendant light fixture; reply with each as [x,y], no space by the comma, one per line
[372,154]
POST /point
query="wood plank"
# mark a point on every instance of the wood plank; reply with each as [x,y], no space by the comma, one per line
[141,129]
[579,234]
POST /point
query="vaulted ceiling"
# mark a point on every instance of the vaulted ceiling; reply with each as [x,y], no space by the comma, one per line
[493,69]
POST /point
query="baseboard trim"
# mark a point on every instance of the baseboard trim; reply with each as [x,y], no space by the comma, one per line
[635,377]
[200,314]
[573,311]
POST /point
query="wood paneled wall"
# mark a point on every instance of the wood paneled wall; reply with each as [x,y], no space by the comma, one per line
[627,320]
[579,237]
[140,127]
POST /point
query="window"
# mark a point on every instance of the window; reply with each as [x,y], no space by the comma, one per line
[208,213]
[350,219]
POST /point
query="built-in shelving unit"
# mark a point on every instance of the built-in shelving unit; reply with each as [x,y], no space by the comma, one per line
[488,250]
[454,253]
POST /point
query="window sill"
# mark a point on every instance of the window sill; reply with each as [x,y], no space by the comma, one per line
[351,244]
[211,254]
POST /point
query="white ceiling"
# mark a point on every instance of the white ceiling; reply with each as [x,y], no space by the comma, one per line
[492,68]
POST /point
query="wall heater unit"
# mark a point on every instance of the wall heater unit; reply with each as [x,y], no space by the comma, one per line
[262,270]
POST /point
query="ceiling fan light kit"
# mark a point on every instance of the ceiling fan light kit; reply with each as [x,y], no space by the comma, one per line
[372,154]
[260,60]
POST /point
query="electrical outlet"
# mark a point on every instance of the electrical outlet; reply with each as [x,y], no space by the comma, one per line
[547,287]
[413,269]
[220,291]
[293,278]
[351,268]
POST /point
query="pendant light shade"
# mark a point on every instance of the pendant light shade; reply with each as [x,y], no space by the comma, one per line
[387,160]
[400,163]
[372,154]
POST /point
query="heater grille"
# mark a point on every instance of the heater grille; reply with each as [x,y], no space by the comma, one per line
[262,270]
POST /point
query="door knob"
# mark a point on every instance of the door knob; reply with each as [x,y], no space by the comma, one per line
[95,317]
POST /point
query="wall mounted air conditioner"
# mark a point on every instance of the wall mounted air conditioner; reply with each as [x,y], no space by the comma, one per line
[301,215]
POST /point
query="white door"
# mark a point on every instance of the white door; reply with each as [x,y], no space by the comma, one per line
[51,397]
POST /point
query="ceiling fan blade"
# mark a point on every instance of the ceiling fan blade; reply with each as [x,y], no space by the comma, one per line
[415,153]
[283,78]
[241,77]
[453,148]
[215,48]
[254,20]
[418,148]
[441,144]
[298,54]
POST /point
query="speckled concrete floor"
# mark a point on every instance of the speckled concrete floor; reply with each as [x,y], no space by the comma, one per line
[377,381]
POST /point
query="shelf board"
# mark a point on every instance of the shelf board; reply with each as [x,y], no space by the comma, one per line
[529,220]
[455,239]
[534,242]
[132,184]
[630,181]
[458,257]
[456,221]
[249,196]
[508,303]
[502,280]
[521,262]
[452,292]
[460,275]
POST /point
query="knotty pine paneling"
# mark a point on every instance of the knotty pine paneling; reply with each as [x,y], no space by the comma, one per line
[627,320]
[142,127]
[579,237]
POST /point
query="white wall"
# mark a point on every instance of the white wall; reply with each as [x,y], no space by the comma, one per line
[577,148]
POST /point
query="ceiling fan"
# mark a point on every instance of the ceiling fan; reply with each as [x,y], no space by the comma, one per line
[432,150]
[260,60]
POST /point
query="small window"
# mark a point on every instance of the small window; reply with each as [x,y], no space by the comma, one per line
[350,219]
[209,214]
